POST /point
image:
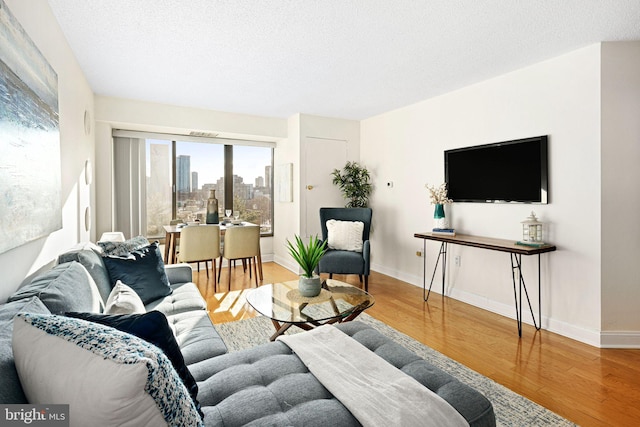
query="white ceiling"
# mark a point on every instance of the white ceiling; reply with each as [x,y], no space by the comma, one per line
[337,58]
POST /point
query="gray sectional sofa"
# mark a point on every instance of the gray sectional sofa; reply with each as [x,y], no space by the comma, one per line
[267,385]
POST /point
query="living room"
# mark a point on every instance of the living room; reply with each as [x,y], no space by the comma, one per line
[586,100]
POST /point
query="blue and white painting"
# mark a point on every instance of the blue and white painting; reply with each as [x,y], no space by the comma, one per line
[30,189]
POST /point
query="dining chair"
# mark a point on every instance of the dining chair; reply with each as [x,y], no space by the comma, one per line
[347,253]
[200,243]
[176,239]
[243,243]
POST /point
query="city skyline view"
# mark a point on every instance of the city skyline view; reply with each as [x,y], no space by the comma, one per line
[200,167]
[205,157]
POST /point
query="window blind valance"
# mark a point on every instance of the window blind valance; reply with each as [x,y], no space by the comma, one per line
[188,138]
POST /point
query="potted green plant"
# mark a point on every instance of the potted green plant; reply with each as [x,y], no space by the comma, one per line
[354,182]
[308,257]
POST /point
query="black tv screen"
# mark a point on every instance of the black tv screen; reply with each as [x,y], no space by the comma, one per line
[510,171]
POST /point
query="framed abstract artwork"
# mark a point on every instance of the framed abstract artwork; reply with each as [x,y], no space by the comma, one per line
[283,178]
[30,183]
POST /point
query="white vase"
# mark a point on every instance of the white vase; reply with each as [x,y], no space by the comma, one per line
[309,286]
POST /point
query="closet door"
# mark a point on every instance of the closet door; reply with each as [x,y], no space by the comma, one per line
[321,157]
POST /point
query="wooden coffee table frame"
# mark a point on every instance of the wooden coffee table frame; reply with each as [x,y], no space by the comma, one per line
[282,326]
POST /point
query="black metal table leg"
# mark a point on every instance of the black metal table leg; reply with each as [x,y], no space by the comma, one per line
[443,253]
[516,268]
[424,270]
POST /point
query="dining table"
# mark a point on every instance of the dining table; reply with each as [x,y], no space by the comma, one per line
[173,233]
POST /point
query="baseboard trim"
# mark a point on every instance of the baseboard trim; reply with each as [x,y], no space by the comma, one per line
[225,262]
[397,274]
[287,263]
[609,339]
[620,339]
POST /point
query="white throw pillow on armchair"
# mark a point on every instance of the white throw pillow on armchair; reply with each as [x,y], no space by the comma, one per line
[345,235]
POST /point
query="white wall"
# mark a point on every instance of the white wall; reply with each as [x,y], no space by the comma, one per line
[115,113]
[75,97]
[560,98]
[620,195]
[287,214]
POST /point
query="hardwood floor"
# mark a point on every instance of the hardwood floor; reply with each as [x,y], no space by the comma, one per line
[587,385]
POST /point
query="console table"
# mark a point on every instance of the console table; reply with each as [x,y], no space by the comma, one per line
[514,250]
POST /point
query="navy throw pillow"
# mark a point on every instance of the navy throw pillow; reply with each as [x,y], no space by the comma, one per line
[142,270]
[153,328]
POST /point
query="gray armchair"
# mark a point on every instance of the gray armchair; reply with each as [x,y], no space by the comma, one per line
[347,262]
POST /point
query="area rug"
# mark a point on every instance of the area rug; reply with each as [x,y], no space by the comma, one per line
[510,408]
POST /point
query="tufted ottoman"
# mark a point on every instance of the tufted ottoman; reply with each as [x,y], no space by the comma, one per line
[269,385]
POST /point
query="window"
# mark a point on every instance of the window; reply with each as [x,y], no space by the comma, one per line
[179,175]
[199,168]
[252,185]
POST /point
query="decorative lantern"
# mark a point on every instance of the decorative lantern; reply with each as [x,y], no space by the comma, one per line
[532,230]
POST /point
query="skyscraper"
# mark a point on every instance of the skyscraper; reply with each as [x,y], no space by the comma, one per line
[183,174]
[267,176]
[194,181]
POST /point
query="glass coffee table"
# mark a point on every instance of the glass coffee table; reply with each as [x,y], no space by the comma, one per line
[282,303]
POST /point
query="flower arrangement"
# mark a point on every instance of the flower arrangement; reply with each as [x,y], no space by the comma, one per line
[438,195]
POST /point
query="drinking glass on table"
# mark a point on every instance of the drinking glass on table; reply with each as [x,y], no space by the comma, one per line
[236,215]
[228,212]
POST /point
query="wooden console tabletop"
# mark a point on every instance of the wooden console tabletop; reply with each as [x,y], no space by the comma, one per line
[502,245]
[515,252]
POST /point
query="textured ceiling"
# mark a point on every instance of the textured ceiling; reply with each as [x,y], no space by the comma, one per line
[338,58]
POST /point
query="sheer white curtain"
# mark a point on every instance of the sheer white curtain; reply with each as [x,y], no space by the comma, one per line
[129,186]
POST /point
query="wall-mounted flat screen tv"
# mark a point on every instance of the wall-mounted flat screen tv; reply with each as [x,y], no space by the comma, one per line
[503,172]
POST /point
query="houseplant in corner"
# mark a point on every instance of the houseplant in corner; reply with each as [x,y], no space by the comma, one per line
[354,183]
[308,257]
